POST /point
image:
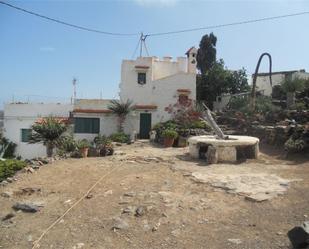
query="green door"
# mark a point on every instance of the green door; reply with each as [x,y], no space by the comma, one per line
[144,125]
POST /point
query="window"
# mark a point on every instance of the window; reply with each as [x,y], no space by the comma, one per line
[141,78]
[87,125]
[25,135]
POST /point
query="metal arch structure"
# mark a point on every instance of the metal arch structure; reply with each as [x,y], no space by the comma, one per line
[253,92]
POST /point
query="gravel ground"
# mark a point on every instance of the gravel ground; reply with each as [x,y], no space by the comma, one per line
[151,200]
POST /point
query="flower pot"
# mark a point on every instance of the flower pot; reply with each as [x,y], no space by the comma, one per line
[168,142]
[84,152]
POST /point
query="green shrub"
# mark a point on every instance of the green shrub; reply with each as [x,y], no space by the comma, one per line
[263,105]
[7,148]
[200,124]
[101,141]
[168,133]
[9,167]
[120,137]
[67,145]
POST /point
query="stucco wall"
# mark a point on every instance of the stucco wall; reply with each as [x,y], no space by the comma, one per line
[263,83]
[108,125]
[22,116]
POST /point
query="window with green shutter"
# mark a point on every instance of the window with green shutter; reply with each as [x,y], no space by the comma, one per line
[25,135]
[87,125]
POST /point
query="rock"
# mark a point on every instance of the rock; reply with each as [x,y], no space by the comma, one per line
[259,197]
[156,227]
[235,241]
[212,155]
[129,194]
[128,210]
[120,224]
[8,216]
[89,196]
[7,194]
[29,170]
[9,179]
[299,236]
[140,211]
[29,238]
[79,246]
[4,183]
[176,232]
[26,207]
[108,192]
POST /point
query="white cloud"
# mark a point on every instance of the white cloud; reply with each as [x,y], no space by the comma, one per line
[47,49]
[157,3]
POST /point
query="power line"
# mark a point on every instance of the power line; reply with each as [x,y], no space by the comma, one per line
[229,24]
[68,24]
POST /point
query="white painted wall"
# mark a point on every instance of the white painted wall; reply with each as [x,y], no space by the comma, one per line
[108,125]
[22,116]
[163,78]
[263,83]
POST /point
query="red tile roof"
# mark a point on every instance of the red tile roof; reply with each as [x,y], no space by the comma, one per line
[146,107]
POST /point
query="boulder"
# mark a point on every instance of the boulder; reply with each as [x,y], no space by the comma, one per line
[26,207]
[299,236]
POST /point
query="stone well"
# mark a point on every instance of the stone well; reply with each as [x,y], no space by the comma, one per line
[221,151]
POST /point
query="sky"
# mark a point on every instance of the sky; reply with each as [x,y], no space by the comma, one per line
[39,58]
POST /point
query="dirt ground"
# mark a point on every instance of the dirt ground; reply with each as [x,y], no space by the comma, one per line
[174,210]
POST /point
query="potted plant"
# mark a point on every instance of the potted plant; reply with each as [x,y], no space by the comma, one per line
[169,137]
[83,146]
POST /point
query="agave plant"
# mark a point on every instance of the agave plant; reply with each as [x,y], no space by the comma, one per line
[121,110]
[48,131]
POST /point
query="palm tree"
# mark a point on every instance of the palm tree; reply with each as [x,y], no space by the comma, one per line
[121,110]
[48,131]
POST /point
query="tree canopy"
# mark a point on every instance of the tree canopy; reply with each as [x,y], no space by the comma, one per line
[214,78]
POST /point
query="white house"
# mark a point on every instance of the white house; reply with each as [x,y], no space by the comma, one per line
[263,83]
[152,84]
[18,118]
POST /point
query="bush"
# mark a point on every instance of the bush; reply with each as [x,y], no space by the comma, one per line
[263,105]
[101,141]
[168,133]
[120,137]
[7,148]
[67,145]
[200,124]
[82,144]
[9,167]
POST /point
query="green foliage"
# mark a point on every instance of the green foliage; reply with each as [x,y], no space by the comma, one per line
[200,124]
[121,109]
[169,133]
[67,144]
[293,85]
[219,80]
[206,54]
[263,105]
[120,137]
[9,167]
[101,141]
[7,148]
[82,144]
[298,141]
[294,146]
[48,131]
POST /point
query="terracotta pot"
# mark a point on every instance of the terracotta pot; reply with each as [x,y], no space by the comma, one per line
[168,142]
[84,152]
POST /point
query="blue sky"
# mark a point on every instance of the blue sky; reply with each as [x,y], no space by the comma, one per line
[38,57]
